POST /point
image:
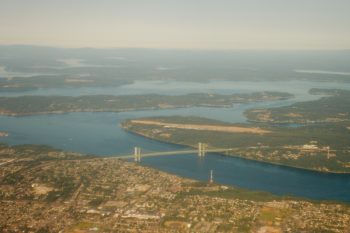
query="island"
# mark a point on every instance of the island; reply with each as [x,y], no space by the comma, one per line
[323,148]
[3,134]
[34,105]
[47,190]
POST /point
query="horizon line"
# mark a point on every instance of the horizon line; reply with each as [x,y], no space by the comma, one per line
[173,48]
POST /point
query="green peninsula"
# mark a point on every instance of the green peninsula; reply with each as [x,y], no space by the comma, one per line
[59,81]
[33,105]
[322,148]
[332,108]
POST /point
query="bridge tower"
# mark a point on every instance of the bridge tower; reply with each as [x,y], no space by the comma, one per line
[137,154]
[328,154]
[201,149]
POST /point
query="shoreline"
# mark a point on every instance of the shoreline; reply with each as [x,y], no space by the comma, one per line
[244,158]
[106,103]
[88,157]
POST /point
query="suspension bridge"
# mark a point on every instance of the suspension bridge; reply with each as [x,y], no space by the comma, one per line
[201,151]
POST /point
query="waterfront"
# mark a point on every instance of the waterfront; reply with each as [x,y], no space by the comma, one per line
[100,134]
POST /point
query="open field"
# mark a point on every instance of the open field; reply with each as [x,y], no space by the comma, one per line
[200,127]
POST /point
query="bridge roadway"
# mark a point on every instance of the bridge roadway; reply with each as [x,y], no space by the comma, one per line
[164,153]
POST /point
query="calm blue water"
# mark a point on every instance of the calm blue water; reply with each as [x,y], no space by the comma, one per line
[99,133]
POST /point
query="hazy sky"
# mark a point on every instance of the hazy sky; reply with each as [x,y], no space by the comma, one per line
[208,24]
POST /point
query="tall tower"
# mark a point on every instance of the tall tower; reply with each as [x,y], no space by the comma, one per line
[211,179]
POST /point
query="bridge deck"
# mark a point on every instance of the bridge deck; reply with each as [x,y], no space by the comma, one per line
[163,153]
